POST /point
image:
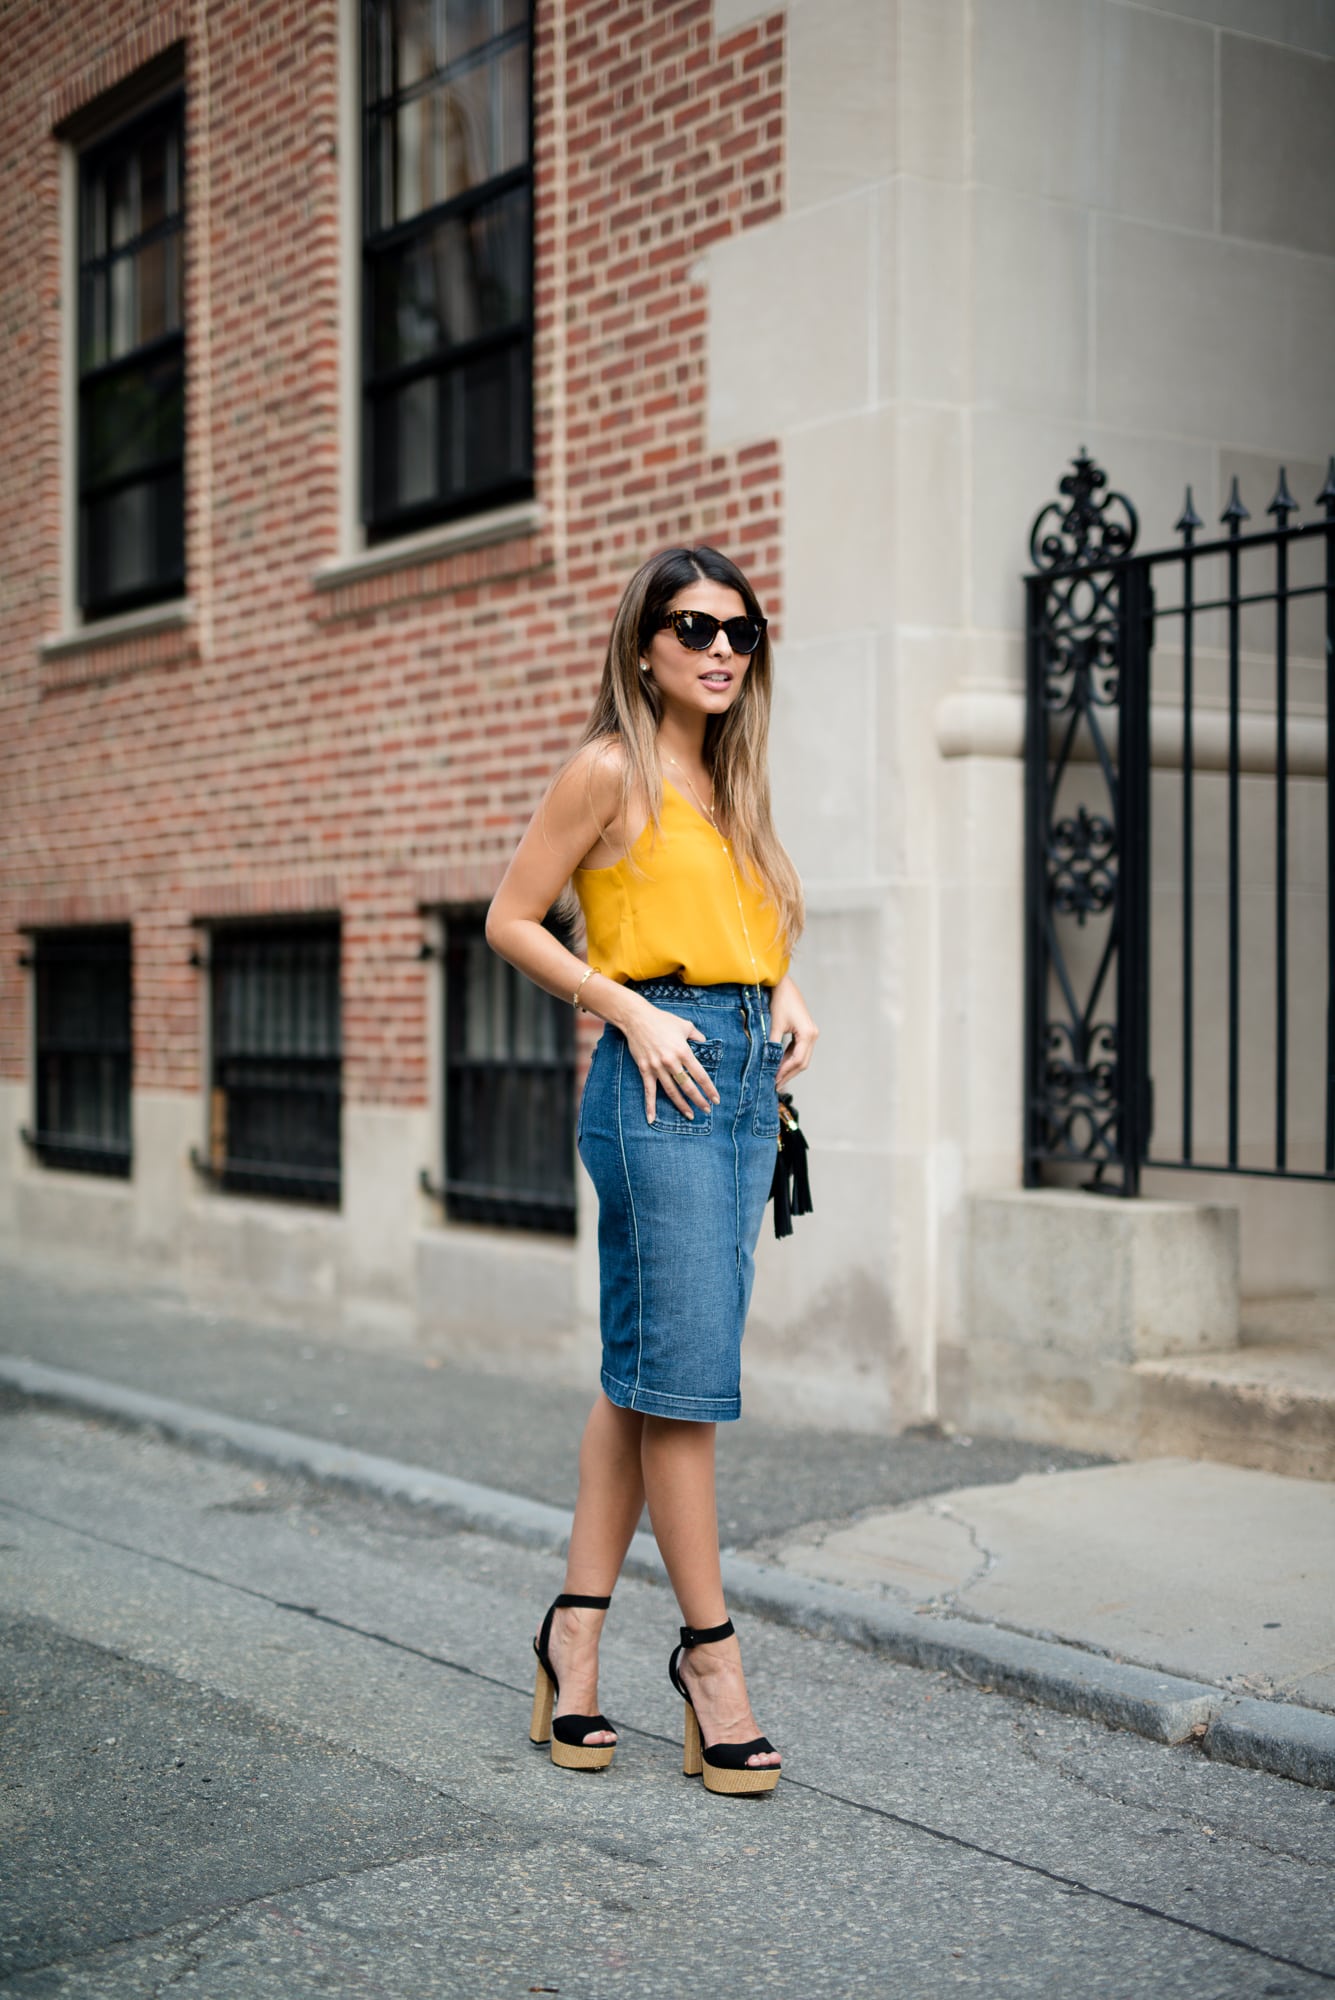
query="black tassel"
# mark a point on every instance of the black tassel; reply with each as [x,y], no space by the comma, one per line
[800,1198]
[790,1189]
[778,1193]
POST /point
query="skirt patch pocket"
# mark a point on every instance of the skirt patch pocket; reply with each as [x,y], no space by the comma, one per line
[667,1118]
[766,1121]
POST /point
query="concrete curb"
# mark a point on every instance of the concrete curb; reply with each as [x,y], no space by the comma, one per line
[1278,1737]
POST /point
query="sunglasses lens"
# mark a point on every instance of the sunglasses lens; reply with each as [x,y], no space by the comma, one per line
[695,629]
[743,634]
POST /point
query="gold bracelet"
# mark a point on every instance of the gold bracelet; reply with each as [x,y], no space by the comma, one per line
[574,998]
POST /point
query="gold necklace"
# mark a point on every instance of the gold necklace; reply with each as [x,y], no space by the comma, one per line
[708,811]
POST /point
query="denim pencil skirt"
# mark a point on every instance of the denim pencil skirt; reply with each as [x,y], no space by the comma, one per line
[680,1204]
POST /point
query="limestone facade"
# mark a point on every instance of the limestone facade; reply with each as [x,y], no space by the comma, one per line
[993,231]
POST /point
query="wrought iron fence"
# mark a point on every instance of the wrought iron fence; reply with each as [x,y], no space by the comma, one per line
[1180,841]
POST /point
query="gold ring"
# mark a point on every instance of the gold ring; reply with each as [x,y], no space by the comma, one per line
[682,1072]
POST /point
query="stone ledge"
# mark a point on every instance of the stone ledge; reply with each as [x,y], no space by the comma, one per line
[170,617]
[1102,1279]
[475,531]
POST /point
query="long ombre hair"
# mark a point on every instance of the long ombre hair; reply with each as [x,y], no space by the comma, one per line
[629,707]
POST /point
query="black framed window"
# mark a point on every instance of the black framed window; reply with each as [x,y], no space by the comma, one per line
[131,361]
[509,1090]
[276,1093]
[447,203]
[82,1057]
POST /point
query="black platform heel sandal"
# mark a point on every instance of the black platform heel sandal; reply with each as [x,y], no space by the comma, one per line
[566,1733]
[723,1766]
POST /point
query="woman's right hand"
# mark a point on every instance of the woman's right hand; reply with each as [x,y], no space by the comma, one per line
[660,1044]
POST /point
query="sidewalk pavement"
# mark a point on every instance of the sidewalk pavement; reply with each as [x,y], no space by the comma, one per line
[1187,1601]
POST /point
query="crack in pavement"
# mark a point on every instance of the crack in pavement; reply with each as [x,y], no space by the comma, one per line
[1070,1884]
[945,1512]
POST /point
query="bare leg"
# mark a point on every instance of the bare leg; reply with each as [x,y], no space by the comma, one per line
[678,1461]
[607,1512]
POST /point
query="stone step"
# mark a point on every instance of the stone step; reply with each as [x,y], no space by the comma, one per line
[1268,1403]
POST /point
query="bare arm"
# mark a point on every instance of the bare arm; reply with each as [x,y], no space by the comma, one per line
[788,1015]
[584,801]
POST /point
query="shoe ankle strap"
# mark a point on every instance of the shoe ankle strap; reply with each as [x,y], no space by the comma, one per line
[570,1600]
[690,1637]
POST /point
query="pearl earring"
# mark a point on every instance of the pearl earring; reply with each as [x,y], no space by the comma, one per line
[644,666]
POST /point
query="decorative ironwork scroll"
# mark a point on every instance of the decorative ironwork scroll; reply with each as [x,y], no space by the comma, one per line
[1079,1092]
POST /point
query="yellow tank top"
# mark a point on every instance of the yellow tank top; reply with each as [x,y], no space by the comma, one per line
[682,908]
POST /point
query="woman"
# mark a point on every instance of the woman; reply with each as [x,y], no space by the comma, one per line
[661,820]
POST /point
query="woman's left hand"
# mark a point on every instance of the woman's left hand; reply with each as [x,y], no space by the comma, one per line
[788,1016]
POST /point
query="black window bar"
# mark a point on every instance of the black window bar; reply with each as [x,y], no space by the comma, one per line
[509,1090]
[83,1055]
[276,1096]
[131,364]
[447,203]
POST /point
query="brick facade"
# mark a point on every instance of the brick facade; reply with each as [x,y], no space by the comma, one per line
[369,744]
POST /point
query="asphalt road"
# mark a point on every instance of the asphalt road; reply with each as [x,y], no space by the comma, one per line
[262,1740]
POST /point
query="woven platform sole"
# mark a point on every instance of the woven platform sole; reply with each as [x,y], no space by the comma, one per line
[582,1756]
[570,1756]
[753,1778]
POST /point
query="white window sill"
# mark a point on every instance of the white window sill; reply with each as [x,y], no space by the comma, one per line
[127,625]
[502,524]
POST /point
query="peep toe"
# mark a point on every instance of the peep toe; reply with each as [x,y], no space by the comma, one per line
[723,1766]
[566,1733]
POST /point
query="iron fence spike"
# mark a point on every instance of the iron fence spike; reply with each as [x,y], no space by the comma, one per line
[1189,520]
[1235,513]
[1283,503]
[1326,497]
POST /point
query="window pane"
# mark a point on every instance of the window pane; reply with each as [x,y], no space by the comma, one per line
[122,526]
[489,447]
[407,428]
[276,996]
[133,420]
[153,302]
[414,41]
[123,199]
[145,295]
[468,23]
[124,306]
[153,203]
[92,317]
[94,217]
[512,107]
[414,187]
[466,276]
[459,135]
[175,268]
[134,539]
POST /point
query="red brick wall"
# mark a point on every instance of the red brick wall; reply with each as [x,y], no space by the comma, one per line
[379,744]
